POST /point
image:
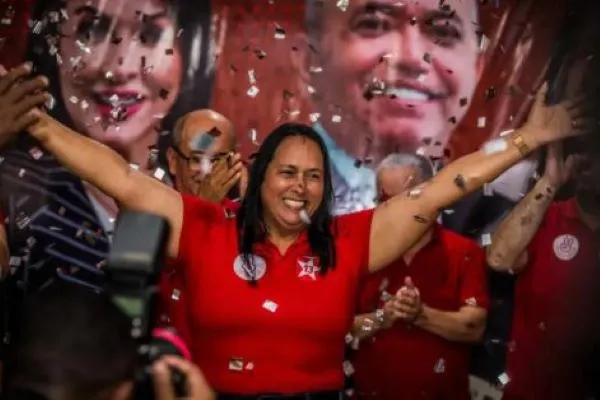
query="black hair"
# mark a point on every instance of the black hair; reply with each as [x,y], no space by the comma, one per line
[250,222]
[71,341]
[193,18]
[577,43]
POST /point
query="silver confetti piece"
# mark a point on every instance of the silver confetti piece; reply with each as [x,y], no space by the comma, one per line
[159,173]
[305,217]
[343,4]
[253,135]
[487,190]
[348,368]
[202,142]
[495,146]
[270,306]
[251,77]
[314,117]
[440,366]
[503,378]
[486,239]
[253,91]
[236,364]
[176,294]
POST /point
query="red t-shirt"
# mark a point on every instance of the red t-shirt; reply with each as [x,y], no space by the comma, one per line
[171,304]
[407,362]
[286,333]
[560,253]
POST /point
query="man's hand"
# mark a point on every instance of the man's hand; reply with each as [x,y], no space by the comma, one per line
[197,387]
[19,98]
[407,305]
[225,173]
[555,122]
[558,170]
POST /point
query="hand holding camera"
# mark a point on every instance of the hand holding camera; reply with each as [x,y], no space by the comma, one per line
[196,386]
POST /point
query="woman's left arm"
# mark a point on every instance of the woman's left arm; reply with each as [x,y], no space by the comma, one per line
[399,222]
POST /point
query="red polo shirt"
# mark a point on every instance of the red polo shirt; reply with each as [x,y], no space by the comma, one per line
[560,252]
[171,305]
[286,333]
[407,362]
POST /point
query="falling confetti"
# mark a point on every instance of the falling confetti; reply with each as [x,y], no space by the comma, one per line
[490,93]
[420,219]
[487,190]
[460,182]
[486,239]
[270,305]
[202,141]
[343,4]
[305,217]
[279,32]
[253,91]
[495,146]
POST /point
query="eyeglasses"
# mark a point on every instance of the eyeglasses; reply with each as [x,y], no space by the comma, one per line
[196,159]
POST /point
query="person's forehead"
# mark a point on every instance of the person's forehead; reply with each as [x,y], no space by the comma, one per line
[297,149]
[119,8]
[466,9]
[393,171]
[193,129]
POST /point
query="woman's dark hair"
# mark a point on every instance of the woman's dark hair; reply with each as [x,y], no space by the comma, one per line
[193,18]
[251,226]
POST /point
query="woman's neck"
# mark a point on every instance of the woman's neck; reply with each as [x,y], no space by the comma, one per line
[282,240]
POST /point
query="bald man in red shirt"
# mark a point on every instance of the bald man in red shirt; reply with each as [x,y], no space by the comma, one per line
[198,160]
[418,316]
[550,245]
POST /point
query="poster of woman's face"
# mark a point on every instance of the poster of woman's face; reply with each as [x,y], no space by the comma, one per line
[123,69]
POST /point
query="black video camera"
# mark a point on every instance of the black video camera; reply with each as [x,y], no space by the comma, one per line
[132,278]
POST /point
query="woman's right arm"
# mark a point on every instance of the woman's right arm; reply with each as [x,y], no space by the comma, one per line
[104,168]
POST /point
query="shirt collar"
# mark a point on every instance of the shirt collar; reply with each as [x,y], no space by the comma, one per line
[344,164]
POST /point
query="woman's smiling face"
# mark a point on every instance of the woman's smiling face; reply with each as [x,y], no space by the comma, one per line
[121,68]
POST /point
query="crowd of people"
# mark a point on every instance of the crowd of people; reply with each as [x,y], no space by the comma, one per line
[295,274]
[269,288]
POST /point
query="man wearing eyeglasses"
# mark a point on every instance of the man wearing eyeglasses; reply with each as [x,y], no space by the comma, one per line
[200,159]
[200,155]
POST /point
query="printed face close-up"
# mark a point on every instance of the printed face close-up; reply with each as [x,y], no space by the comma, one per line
[128,67]
[428,58]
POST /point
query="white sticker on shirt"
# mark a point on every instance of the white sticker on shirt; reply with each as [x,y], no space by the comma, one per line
[566,247]
[243,271]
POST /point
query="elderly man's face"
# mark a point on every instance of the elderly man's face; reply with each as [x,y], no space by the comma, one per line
[428,57]
[189,166]
[395,179]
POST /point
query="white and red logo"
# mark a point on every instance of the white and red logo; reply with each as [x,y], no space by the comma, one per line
[566,247]
[308,267]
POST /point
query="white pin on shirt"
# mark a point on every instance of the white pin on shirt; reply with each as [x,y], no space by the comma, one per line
[244,272]
[566,247]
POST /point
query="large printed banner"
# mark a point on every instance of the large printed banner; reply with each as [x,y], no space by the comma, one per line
[428,77]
